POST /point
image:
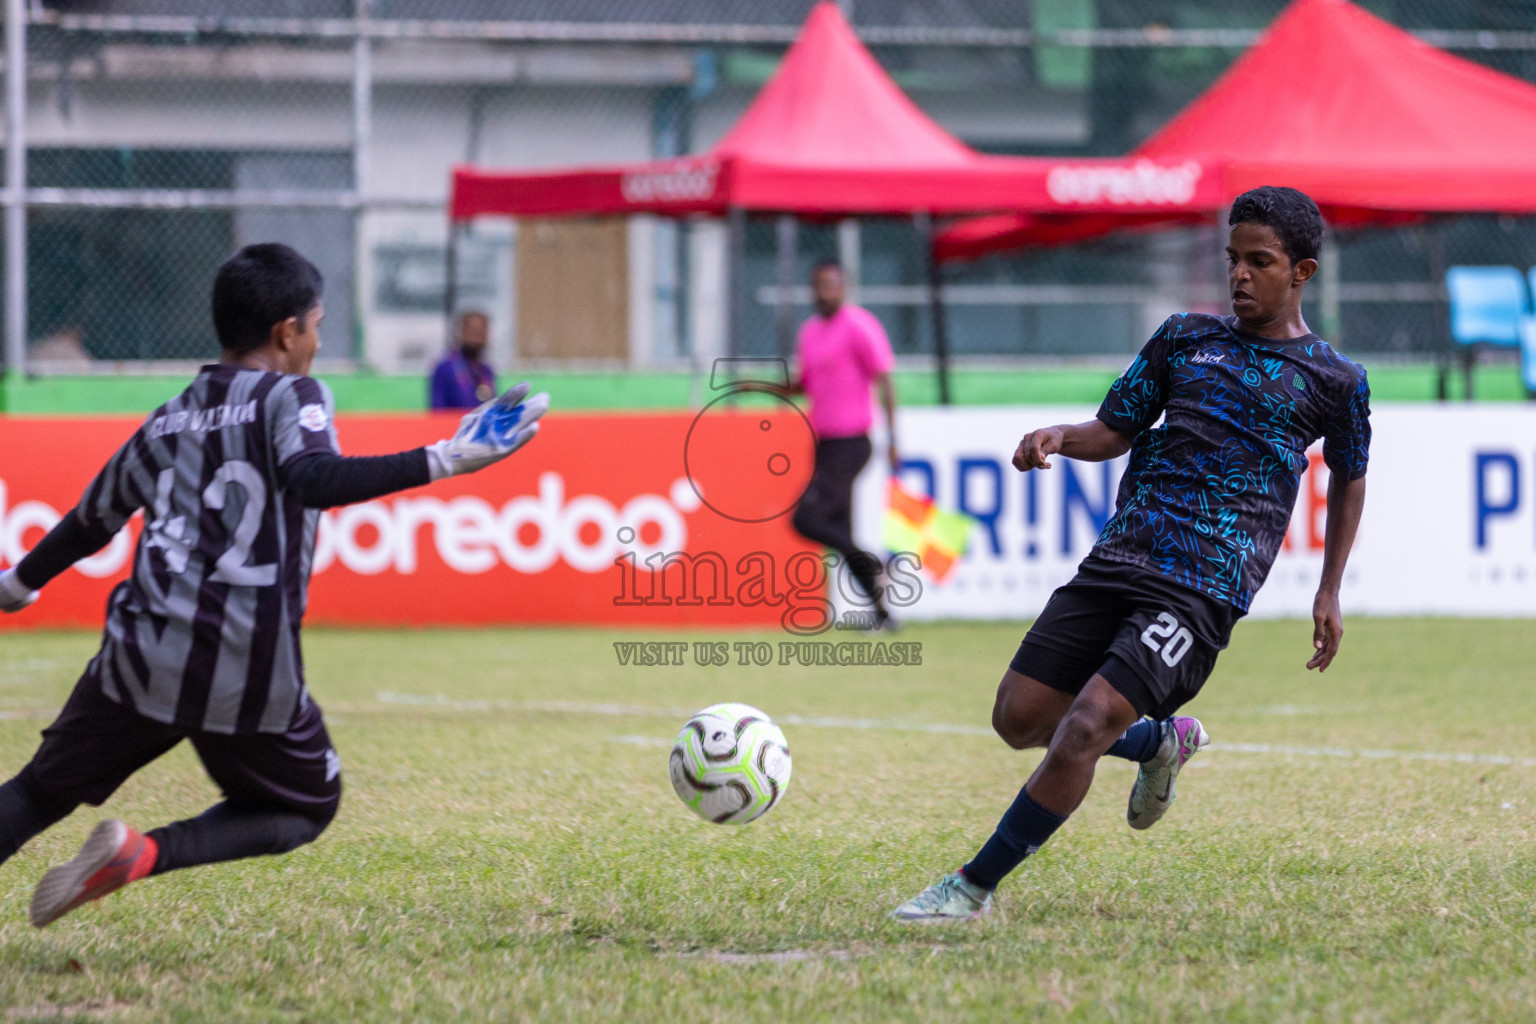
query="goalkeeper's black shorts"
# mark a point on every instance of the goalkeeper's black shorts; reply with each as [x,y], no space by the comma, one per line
[96,744]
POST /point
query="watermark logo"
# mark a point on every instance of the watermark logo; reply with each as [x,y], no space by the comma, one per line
[750,451]
[743,653]
[748,457]
[802,587]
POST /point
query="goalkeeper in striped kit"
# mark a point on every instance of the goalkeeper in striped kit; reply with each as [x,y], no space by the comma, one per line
[202,641]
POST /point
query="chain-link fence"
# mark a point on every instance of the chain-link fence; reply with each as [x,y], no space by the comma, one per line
[157,136]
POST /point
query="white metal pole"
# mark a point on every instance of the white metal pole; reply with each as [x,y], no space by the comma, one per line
[362,149]
[735,278]
[1223,235]
[15,186]
[362,102]
[848,251]
[922,220]
[783,306]
[1328,289]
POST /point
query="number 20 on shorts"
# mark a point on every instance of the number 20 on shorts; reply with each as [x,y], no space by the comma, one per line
[1169,639]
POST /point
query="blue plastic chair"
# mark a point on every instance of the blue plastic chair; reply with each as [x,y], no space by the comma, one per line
[1528,346]
[1487,307]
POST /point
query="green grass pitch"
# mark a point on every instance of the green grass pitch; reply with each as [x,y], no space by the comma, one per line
[509,847]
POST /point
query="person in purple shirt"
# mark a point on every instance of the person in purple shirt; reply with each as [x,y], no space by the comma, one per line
[463,379]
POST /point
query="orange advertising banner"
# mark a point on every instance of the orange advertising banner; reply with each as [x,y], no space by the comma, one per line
[617,519]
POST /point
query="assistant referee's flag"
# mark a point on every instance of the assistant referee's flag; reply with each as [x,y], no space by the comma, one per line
[914,523]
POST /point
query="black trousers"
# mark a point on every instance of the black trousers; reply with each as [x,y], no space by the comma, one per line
[825,513]
[280,789]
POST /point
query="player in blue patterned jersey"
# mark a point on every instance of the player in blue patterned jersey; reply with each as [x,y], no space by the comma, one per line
[1201,512]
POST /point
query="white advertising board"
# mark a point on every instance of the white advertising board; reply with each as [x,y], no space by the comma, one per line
[1449,525]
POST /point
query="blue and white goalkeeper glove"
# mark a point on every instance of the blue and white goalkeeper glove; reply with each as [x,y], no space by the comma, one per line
[490,433]
[14,594]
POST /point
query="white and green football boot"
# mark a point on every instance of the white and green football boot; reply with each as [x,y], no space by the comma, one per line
[1155,787]
[951,898]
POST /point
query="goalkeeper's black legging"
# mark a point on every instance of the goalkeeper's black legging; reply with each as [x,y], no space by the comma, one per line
[226,831]
[281,790]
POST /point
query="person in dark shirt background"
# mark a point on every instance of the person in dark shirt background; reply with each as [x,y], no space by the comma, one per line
[463,379]
[1200,514]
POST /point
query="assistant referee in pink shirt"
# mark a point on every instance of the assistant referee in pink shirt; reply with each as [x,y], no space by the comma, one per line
[842,350]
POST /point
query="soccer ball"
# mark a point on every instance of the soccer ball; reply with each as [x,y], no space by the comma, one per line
[730,764]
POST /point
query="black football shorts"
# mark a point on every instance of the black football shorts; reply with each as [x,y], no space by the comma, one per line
[1154,641]
[96,743]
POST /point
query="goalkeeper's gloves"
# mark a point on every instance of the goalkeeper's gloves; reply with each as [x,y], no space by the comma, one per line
[14,594]
[489,434]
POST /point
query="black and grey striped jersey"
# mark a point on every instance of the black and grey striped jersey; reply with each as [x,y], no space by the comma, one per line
[205,633]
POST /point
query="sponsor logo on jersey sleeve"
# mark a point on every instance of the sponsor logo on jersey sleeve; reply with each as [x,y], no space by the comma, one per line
[313,417]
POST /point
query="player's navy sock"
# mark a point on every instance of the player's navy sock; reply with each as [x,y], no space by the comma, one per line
[1140,741]
[25,812]
[230,831]
[1024,829]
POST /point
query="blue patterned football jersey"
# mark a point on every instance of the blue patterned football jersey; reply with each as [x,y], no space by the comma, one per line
[1208,495]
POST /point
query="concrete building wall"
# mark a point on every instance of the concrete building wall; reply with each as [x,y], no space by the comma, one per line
[437,105]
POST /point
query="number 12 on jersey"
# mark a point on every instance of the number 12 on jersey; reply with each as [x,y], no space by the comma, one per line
[170,533]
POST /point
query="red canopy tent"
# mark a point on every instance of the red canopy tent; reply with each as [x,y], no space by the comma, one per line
[1372,123]
[830,134]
